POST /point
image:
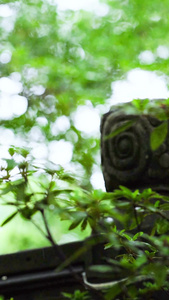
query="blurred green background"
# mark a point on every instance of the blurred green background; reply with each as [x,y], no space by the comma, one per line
[60,70]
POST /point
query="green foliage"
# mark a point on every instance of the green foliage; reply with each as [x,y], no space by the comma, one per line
[156,108]
[141,106]
[159,135]
[74,56]
[8,219]
[122,128]
[78,295]
[140,257]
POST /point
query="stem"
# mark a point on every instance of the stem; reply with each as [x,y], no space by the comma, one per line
[39,228]
[50,238]
[59,252]
[63,257]
[156,212]
[136,218]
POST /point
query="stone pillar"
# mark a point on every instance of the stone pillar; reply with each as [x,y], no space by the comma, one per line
[127,157]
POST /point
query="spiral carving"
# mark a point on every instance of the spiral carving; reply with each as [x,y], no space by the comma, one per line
[124,156]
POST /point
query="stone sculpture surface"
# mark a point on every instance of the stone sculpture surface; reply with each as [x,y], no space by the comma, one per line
[127,157]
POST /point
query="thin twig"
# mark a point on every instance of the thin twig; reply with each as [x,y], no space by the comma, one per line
[136,218]
[155,212]
[63,258]
[50,238]
[59,252]
[39,228]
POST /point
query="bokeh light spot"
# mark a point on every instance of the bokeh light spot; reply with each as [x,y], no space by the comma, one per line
[87,120]
[60,152]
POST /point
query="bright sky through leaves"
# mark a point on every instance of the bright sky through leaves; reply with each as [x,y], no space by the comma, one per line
[95,6]
[137,83]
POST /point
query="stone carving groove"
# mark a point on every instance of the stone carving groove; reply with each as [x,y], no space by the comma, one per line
[127,158]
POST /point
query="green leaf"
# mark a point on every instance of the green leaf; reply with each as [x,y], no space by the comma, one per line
[140,104]
[137,235]
[157,204]
[11,151]
[75,223]
[9,218]
[164,206]
[77,295]
[61,191]
[127,191]
[67,177]
[127,236]
[101,195]
[84,224]
[69,296]
[101,268]
[27,212]
[162,226]
[114,291]
[24,152]
[160,273]
[11,163]
[126,125]
[158,136]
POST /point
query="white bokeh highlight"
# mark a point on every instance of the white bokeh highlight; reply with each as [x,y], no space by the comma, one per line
[18,105]
[5,11]
[8,138]
[163,52]
[39,151]
[11,104]
[100,9]
[60,152]
[147,57]
[97,180]
[139,84]
[5,57]
[42,121]
[61,125]
[87,120]
[9,86]
[37,90]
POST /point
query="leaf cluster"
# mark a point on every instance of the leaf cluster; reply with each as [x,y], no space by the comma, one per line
[71,57]
[128,223]
[156,110]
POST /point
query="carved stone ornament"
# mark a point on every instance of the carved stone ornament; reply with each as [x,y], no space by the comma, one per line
[127,157]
